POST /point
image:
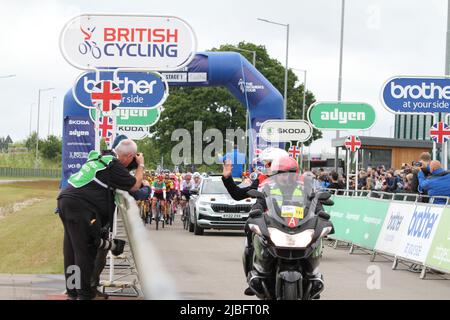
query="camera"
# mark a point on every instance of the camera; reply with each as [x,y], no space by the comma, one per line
[417,164]
[133,164]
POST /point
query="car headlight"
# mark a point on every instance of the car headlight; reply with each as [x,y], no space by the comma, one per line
[203,203]
[299,240]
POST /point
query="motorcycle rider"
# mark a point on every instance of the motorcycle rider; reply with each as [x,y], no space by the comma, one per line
[287,185]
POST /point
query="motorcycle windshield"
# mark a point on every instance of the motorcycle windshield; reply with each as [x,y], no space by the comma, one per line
[286,199]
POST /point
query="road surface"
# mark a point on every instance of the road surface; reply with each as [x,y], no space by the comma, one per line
[210,267]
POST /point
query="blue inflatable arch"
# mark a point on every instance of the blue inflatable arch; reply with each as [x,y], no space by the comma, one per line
[228,69]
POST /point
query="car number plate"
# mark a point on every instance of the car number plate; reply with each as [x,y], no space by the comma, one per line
[232,216]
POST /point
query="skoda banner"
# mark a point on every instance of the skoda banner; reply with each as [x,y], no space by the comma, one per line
[144,42]
[138,89]
[285,130]
[416,95]
[359,223]
[80,137]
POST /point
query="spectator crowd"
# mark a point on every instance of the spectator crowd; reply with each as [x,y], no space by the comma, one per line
[424,177]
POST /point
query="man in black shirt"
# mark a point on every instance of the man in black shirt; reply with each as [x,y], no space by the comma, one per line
[86,206]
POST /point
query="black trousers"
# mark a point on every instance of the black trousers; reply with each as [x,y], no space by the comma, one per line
[79,247]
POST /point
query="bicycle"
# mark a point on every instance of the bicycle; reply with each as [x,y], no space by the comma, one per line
[93,48]
[158,215]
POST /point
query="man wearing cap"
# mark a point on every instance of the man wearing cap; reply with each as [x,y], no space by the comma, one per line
[86,206]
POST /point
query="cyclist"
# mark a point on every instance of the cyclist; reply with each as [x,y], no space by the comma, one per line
[185,191]
[197,180]
[174,191]
[169,188]
[159,194]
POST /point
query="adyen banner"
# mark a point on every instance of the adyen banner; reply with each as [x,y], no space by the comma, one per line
[358,221]
[134,123]
[80,137]
[395,226]
[416,95]
[138,89]
[341,115]
[133,117]
[147,42]
[420,229]
[439,252]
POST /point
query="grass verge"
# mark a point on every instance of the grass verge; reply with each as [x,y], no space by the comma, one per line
[31,239]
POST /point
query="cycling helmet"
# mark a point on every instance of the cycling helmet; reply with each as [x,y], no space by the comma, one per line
[172,176]
[196,175]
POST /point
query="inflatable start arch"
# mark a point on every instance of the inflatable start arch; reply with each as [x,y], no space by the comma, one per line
[228,69]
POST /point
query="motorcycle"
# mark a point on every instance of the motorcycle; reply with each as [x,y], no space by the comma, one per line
[286,239]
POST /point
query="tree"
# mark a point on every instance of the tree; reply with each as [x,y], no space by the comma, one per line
[50,148]
[30,142]
[217,108]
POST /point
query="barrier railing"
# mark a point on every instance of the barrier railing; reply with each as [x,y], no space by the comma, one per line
[29,172]
[400,225]
[155,282]
[411,197]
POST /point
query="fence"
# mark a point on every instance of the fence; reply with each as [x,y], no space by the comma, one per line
[389,224]
[29,172]
[155,282]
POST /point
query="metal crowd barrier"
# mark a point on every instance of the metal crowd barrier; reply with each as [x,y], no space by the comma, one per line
[409,197]
[154,281]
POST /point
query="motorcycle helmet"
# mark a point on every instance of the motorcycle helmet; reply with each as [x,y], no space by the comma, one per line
[269,155]
[284,164]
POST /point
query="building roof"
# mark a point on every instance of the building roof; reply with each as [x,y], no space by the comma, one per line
[386,142]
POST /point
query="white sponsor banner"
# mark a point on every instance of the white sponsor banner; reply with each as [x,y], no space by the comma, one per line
[133,132]
[286,130]
[394,227]
[128,41]
[420,228]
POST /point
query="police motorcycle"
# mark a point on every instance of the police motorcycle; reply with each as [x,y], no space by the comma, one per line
[287,238]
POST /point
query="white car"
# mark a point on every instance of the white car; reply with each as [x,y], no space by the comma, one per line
[213,208]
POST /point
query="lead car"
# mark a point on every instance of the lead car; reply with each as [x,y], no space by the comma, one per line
[213,208]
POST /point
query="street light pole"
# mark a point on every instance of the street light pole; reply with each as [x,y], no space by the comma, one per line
[50,112]
[303,109]
[287,55]
[38,115]
[31,114]
[336,160]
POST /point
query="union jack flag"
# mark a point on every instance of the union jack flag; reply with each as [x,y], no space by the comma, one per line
[106,95]
[440,132]
[105,129]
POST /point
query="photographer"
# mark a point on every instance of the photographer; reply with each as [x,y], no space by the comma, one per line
[86,208]
[437,184]
[423,165]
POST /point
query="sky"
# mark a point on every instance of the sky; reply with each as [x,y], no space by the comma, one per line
[382,39]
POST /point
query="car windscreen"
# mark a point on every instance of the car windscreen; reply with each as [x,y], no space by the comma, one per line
[213,187]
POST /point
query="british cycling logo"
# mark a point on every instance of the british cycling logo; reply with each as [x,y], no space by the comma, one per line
[88,45]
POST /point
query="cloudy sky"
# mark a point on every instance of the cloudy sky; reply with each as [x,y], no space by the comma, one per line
[382,38]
